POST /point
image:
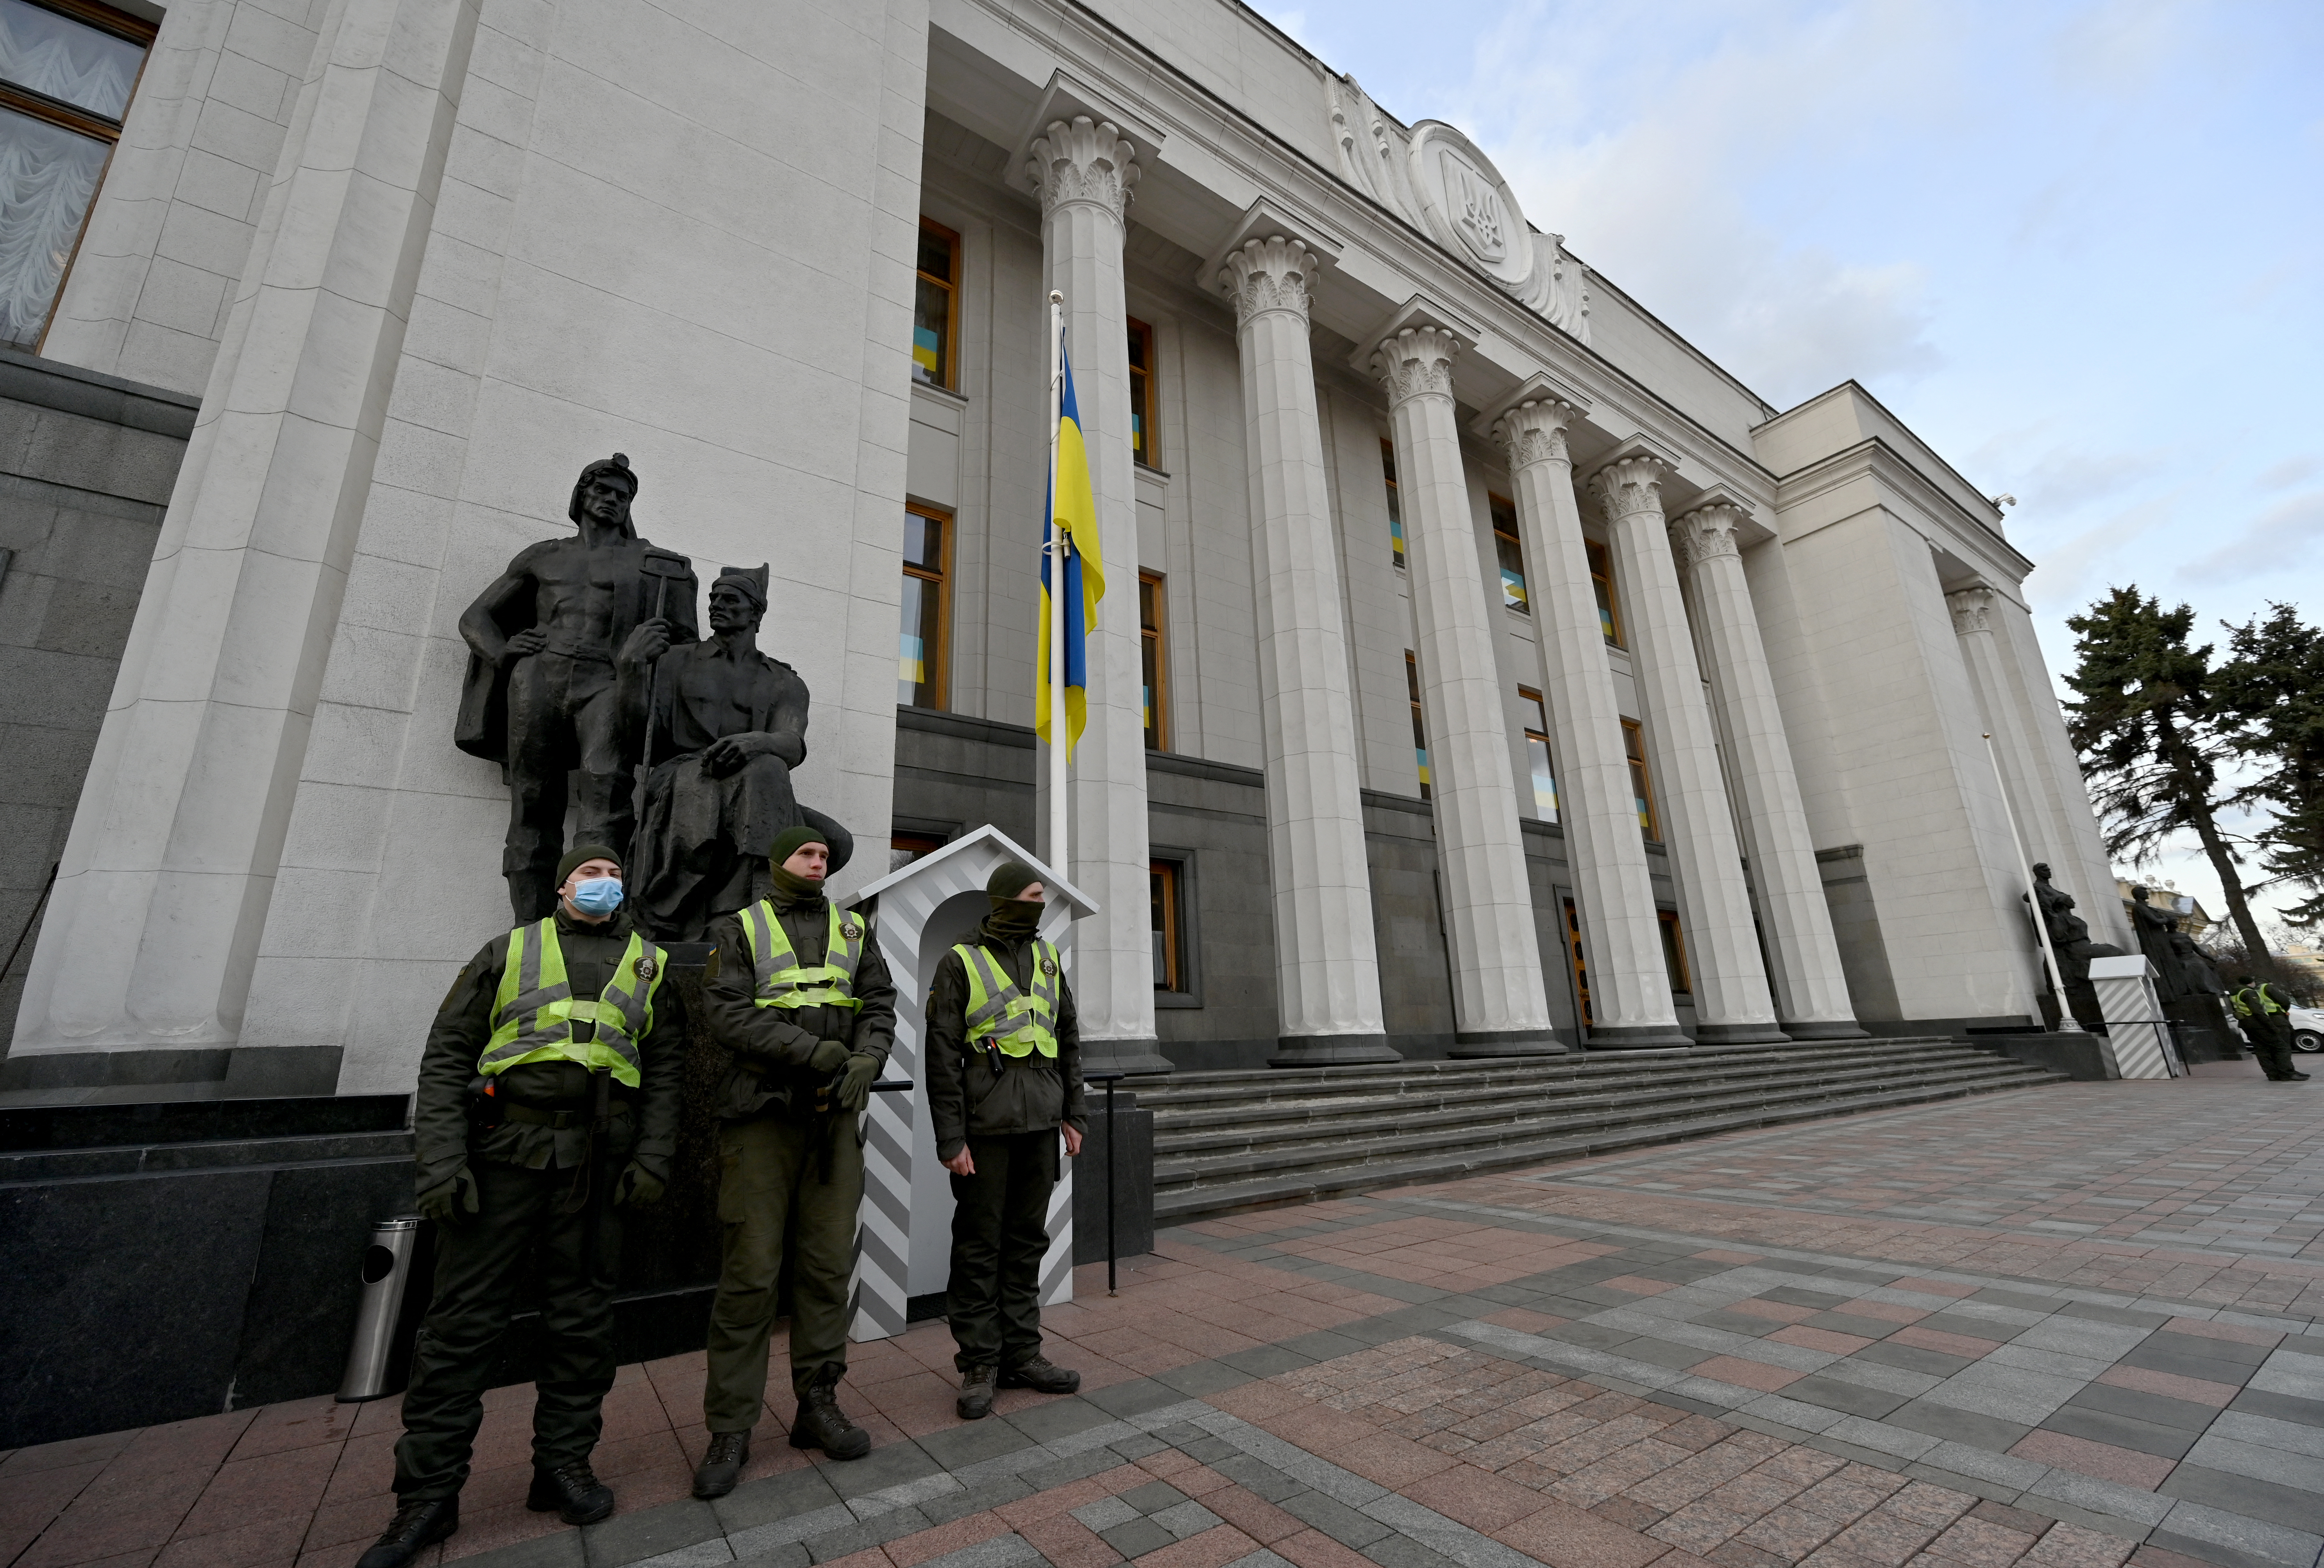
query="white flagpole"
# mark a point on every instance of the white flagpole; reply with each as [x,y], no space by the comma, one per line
[2068,1024]
[1060,551]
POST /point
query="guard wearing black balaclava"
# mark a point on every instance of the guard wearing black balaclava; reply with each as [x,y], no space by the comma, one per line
[1004,1083]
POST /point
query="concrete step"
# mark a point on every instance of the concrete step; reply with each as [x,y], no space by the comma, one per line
[1375,1128]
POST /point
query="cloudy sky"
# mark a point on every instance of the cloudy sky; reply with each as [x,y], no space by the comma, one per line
[2077,247]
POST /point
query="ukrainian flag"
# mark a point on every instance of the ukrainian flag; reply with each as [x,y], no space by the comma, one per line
[1071,511]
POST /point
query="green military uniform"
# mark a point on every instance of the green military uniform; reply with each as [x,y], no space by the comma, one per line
[997,1088]
[532,1177]
[791,1158]
[2261,1008]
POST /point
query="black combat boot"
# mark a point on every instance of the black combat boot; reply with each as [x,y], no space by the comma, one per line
[722,1467]
[975,1401]
[1042,1376]
[415,1527]
[821,1422]
[573,1491]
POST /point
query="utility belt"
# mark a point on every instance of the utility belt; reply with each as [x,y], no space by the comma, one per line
[490,1107]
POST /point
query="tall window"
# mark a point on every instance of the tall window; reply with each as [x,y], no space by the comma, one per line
[1512,555]
[1142,445]
[1536,734]
[1167,878]
[66,74]
[1634,743]
[1673,949]
[904,848]
[1602,581]
[1395,508]
[1154,660]
[920,647]
[1574,955]
[1419,730]
[936,306]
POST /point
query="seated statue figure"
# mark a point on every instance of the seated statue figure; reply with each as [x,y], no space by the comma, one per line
[723,725]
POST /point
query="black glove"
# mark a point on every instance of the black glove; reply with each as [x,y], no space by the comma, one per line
[855,1088]
[452,1201]
[828,1056]
[640,1186]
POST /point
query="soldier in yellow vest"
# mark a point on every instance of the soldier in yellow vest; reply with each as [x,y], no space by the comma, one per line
[547,1100]
[803,1001]
[1004,1083]
[2265,1014]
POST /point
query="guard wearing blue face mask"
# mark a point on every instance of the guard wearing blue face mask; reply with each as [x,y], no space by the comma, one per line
[548,1101]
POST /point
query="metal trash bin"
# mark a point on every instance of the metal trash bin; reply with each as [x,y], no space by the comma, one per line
[387,1266]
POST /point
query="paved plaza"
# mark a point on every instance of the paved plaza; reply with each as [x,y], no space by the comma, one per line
[2071,1327]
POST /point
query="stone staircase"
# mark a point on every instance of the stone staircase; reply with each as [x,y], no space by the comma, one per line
[1248,1140]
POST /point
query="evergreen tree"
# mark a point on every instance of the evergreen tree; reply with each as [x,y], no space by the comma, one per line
[2273,688]
[2150,738]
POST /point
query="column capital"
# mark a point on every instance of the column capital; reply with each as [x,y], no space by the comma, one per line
[1972,610]
[1083,160]
[1705,533]
[1631,484]
[1274,273]
[1533,431]
[1415,362]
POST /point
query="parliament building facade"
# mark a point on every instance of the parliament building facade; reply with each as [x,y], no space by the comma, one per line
[1481,669]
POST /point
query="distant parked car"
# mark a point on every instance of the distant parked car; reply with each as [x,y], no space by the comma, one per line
[2307,1028]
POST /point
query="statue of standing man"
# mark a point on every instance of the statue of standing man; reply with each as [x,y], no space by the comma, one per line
[541,693]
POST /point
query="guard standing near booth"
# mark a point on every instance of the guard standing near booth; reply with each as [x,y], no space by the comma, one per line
[1004,1082]
[2264,1013]
[803,1000]
[548,1099]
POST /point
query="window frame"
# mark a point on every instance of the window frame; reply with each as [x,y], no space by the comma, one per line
[1395,538]
[1181,869]
[942,576]
[1420,724]
[950,379]
[1495,507]
[926,842]
[1142,399]
[81,122]
[1527,694]
[1674,952]
[1599,559]
[1577,963]
[1159,638]
[1642,778]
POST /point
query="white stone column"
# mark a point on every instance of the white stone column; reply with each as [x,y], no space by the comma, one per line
[154,925]
[1812,1001]
[1326,965]
[1084,170]
[1973,611]
[1629,991]
[1498,1004]
[1732,1001]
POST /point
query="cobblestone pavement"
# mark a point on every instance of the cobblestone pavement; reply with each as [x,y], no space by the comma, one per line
[1854,1344]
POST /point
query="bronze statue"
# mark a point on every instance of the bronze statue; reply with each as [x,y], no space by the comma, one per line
[2196,970]
[721,725]
[2155,929]
[2069,939]
[539,697]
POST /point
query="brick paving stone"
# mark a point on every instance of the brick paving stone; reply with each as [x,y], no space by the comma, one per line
[2103,1460]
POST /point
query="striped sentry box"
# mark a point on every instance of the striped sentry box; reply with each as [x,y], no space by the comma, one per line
[904,1234]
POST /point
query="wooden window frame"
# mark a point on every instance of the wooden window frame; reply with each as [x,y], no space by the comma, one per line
[81,122]
[1528,695]
[1576,963]
[950,379]
[1159,636]
[1144,400]
[1171,874]
[942,576]
[1396,534]
[1495,507]
[1419,722]
[1674,952]
[1634,735]
[1601,560]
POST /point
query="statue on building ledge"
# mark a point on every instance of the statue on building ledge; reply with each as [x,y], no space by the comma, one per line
[720,726]
[540,696]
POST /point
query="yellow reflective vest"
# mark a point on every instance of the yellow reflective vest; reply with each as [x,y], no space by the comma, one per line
[535,1011]
[783,982]
[1016,1022]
